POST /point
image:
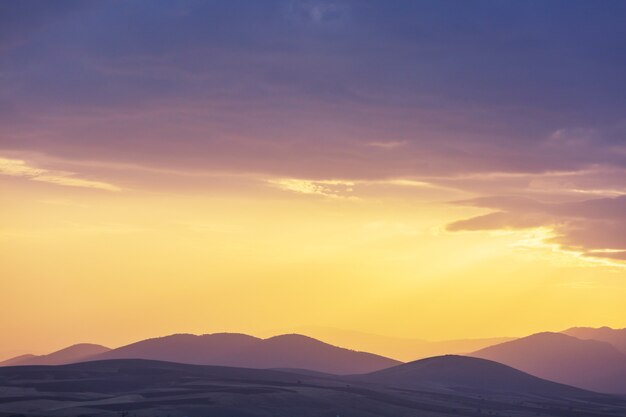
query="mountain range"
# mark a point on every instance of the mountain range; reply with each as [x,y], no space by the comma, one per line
[615,337]
[227,349]
[586,358]
[400,348]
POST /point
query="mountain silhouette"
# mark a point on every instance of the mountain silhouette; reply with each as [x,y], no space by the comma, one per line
[463,373]
[71,354]
[240,350]
[403,349]
[588,364]
[616,337]
[18,360]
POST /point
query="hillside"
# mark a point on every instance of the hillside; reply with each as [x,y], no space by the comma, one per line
[588,364]
[71,354]
[232,349]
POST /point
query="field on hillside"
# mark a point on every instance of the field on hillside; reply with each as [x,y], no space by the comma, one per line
[147,388]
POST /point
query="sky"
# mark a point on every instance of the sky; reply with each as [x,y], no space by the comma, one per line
[420,169]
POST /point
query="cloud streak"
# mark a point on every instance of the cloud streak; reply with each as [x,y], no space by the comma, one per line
[20,168]
[595,227]
[325,188]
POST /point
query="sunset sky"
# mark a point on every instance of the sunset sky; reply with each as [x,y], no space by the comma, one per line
[422,169]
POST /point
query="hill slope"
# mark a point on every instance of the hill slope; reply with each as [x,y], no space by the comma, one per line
[71,354]
[587,364]
[404,349]
[231,349]
[463,373]
[141,387]
[616,337]
[18,360]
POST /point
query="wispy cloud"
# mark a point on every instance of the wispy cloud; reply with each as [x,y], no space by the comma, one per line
[20,168]
[392,144]
[343,188]
[326,188]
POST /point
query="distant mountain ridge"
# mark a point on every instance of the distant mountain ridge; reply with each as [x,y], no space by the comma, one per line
[240,350]
[589,364]
[616,337]
[400,348]
[588,358]
[70,354]
[18,360]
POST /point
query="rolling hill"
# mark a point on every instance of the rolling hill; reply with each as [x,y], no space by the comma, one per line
[71,354]
[139,387]
[463,373]
[588,364]
[403,349]
[232,349]
[616,337]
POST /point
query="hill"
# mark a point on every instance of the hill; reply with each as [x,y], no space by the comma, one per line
[588,364]
[403,349]
[71,354]
[462,373]
[150,388]
[232,349]
[616,337]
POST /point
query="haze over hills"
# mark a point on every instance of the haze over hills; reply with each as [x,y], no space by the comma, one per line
[232,349]
[588,364]
[70,354]
[616,337]
[403,349]
[447,386]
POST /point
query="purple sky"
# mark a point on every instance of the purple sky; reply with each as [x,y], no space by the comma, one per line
[521,103]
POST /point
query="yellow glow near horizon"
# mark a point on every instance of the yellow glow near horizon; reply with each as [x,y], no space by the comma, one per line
[86,265]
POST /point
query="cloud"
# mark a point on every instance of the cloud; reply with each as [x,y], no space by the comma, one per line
[596,227]
[357,188]
[487,99]
[391,144]
[326,188]
[291,88]
[19,168]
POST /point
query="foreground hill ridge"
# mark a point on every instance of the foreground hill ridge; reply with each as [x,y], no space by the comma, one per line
[459,372]
[443,386]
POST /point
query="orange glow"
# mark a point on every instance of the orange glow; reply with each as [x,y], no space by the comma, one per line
[95,265]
